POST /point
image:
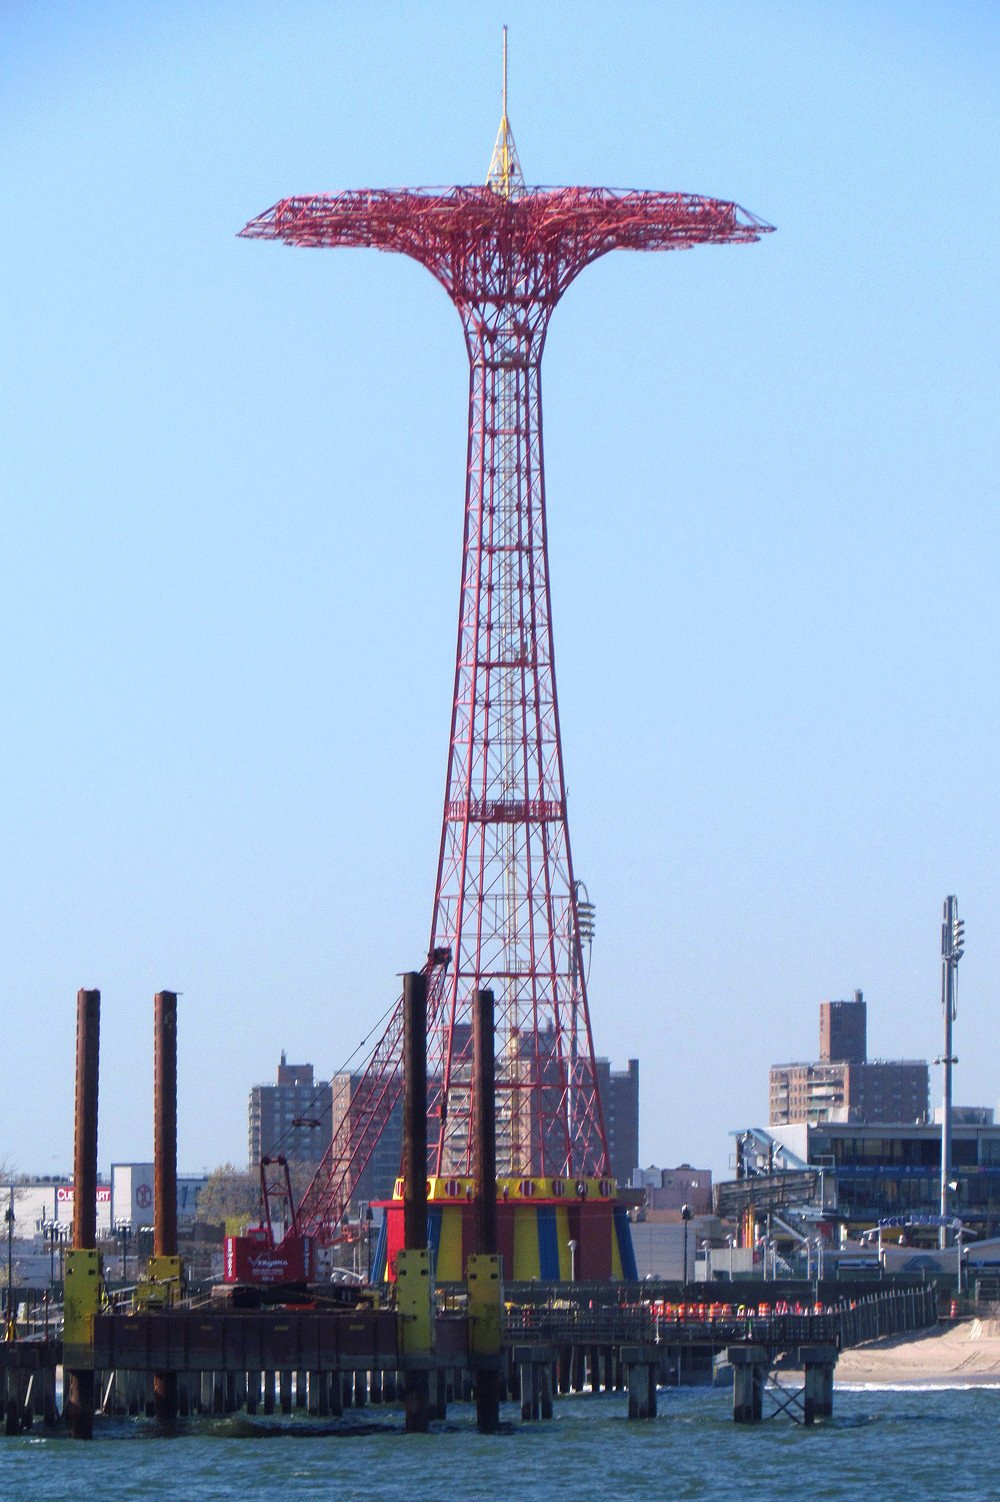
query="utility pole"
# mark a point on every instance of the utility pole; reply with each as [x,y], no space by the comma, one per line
[952,949]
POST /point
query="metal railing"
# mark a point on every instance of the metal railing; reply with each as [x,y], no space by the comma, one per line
[848,1323]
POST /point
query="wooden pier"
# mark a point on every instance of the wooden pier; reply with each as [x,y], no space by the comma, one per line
[280,1360]
[408,1342]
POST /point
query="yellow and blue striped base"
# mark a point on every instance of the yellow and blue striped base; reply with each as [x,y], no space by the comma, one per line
[533,1233]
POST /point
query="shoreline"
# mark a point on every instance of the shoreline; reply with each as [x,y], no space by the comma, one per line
[965,1354]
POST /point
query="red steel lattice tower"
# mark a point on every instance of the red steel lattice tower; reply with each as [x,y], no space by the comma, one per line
[505,902]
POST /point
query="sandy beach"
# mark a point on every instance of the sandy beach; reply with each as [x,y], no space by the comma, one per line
[966,1353]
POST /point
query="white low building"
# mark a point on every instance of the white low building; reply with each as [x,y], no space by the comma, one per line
[127,1199]
[132,1195]
[39,1202]
[659,1247]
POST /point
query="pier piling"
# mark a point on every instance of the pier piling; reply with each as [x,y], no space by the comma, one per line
[484,1173]
[83,1272]
[165,1165]
[418,1282]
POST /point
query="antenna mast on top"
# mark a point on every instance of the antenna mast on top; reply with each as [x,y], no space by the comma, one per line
[505,176]
[505,72]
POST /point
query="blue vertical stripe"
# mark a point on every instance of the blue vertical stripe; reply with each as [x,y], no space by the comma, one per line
[434,1237]
[548,1244]
[626,1251]
[381,1251]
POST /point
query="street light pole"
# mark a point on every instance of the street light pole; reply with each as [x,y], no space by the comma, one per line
[685,1217]
[49,1235]
[952,949]
[121,1230]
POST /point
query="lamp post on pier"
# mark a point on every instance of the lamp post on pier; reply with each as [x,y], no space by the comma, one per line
[50,1234]
[685,1217]
[123,1229]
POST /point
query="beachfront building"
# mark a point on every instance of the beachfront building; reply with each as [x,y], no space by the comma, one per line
[871,1172]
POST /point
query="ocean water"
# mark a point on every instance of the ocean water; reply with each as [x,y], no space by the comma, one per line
[914,1443]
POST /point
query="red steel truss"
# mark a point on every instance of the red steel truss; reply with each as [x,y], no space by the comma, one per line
[505,902]
[328,1196]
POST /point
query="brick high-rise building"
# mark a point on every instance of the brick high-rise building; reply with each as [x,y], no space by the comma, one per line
[844,1084]
[620,1101]
[843,1031]
[291,1117]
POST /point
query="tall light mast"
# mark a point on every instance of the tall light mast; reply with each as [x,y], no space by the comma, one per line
[952,949]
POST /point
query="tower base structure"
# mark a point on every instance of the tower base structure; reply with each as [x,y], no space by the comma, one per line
[537,1219]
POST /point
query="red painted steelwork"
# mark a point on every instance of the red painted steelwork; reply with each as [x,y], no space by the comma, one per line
[328,1196]
[254,1258]
[505,902]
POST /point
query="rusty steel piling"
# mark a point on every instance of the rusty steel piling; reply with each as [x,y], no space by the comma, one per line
[414,1111]
[417,1385]
[484,1173]
[165,1163]
[484,1135]
[80,1386]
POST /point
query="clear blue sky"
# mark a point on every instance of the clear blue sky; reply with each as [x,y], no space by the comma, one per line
[230,541]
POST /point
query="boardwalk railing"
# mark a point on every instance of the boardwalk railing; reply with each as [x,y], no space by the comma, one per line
[888,1314]
[845,1324]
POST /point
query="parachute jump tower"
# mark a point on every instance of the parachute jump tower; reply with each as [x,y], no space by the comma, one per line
[505,906]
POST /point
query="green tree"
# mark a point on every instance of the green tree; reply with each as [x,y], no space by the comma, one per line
[231,1196]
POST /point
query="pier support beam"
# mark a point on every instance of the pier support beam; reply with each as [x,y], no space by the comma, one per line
[545,1390]
[483,1269]
[817,1365]
[82,1292]
[750,1364]
[164,1166]
[530,1391]
[640,1363]
[413,1282]
[533,1367]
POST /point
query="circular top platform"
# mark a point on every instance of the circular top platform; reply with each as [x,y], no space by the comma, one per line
[445,227]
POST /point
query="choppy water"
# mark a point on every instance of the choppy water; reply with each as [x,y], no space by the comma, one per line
[918,1444]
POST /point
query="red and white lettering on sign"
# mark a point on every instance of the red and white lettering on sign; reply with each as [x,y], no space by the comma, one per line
[64,1194]
[250,1261]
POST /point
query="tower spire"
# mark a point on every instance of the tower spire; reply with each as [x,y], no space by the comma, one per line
[505,176]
